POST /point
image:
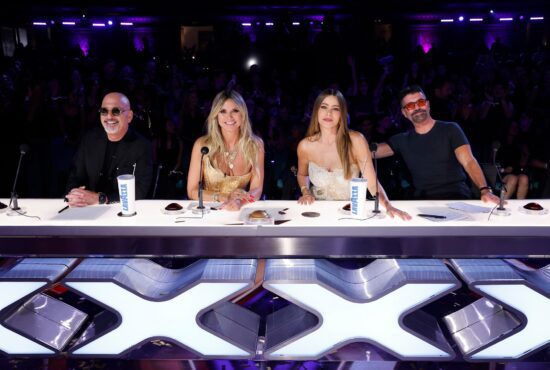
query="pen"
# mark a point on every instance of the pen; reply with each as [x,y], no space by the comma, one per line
[63,209]
[430,216]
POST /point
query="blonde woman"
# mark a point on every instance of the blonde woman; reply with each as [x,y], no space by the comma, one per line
[233,169]
[331,154]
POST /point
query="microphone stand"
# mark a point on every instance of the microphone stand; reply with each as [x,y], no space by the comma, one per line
[376,213]
[201,207]
[500,210]
[159,168]
[15,210]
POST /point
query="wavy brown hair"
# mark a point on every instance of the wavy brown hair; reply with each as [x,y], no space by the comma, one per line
[343,140]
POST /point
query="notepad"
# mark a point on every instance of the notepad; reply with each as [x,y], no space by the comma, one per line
[470,208]
[82,213]
[450,214]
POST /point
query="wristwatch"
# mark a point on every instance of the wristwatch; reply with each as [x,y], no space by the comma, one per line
[102,198]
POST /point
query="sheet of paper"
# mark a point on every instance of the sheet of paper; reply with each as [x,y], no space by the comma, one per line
[470,208]
[82,213]
[449,214]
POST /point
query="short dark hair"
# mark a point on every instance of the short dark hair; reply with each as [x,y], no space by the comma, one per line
[412,89]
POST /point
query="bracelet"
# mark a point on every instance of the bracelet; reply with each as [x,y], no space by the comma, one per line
[490,190]
[303,188]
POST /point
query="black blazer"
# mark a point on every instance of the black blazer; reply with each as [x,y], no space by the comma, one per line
[88,163]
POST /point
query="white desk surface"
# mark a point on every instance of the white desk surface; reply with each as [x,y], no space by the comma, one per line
[101,221]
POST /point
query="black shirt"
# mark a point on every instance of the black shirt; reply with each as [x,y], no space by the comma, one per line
[431,159]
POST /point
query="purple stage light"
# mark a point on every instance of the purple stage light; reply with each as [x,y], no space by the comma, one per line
[246,24]
[83,44]
[506,19]
[110,23]
[536,18]
[295,23]
[476,19]
[39,23]
[460,19]
[98,24]
[425,38]
[68,23]
[492,11]
[269,24]
[447,20]
[139,44]
[126,23]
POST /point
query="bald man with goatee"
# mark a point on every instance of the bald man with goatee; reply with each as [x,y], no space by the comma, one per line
[106,153]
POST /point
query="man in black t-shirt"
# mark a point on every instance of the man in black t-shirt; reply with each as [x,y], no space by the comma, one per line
[106,153]
[437,153]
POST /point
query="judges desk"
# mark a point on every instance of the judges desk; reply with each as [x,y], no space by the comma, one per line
[99,231]
[375,312]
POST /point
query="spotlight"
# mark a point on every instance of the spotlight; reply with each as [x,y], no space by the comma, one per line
[447,20]
[536,18]
[126,23]
[39,23]
[491,11]
[251,61]
[98,24]
[269,24]
[246,24]
[476,19]
[68,23]
[110,22]
[506,19]
[460,19]
[295,23]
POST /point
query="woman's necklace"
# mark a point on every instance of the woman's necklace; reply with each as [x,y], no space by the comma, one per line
[230,158]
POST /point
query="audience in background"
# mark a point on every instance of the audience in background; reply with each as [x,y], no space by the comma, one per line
[50,100]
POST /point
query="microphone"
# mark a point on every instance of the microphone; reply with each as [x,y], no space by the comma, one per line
[201,208]
[159,168]
[501,210]
[14,205]
[376,211]
[495,146]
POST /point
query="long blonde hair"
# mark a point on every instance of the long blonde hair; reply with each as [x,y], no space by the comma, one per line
[248,142]
[343,140]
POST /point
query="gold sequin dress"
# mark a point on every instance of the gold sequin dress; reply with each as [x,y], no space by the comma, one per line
[217,181]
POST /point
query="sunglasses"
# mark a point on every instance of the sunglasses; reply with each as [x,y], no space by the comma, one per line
[114,112]
[421,103]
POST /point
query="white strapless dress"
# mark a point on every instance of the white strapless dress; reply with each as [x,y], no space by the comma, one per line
[330,185]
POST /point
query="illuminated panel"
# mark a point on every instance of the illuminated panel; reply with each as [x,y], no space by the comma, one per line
[536,332]
[10,342]
[344,321]
[175,319]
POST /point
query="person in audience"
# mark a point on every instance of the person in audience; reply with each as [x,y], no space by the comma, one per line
[331,154]
[233,168]
[514,160]
[436,153]
[105,154]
